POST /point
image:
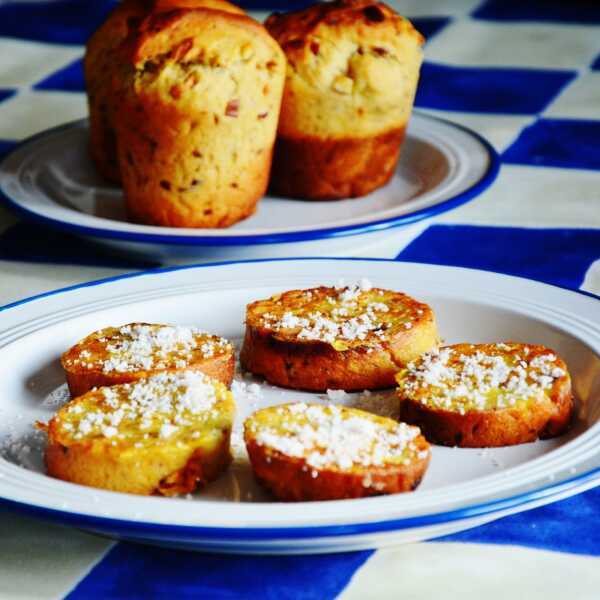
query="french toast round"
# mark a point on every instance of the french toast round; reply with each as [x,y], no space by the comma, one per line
[304,452]
[353,67]
[486,395]
[347,337]
[101,68]
[198,111]
[116,355]
[167,434]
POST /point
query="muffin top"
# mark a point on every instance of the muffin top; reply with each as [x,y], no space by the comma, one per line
[209,34]
[125,18]
[353,67]
[223,5]
[208,62]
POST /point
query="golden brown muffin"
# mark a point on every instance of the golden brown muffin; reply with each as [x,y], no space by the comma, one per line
[99,67]
[353,67]
[123,354]
[223,5]
[306,452]
[201,92]
[478,395]
[102,63]
[167,435]
[349,338]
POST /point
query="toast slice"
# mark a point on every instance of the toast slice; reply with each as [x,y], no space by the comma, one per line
[138,350]
[480,395]
[306,452]
[349,337]
[167,435]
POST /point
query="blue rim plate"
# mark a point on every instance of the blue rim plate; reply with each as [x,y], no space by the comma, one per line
[461,488]
[49,179]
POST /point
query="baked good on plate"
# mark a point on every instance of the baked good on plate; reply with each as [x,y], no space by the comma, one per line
[314,452]
[200,92]
[121,354]
[478,395]
[353,67]
[102,63]
[347,337]
[167,434]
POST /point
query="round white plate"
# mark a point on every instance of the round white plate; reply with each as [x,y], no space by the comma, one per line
[462,487]
[51,179]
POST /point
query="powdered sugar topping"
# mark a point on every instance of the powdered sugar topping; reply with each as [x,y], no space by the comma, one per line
[140,346]
[480,377]
[333,437]
[156,407]
[344,314]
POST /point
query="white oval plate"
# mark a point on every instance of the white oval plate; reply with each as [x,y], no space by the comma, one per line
[462,487]
[51,179]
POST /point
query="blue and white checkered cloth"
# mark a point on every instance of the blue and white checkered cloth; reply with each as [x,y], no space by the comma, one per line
[526,75]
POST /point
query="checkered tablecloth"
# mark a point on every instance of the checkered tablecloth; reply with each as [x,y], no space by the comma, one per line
[524,74]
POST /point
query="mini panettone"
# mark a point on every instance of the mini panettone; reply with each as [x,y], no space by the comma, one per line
[199,98]
[101,64]
[350,337]
[135,351]
[478,395]
[99,68]
[353,68]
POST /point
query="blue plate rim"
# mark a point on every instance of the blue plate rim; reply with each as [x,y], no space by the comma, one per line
[204,533]
[126,527]
[487,178]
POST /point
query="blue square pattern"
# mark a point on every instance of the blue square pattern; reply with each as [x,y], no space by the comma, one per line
[29,242]
[540,10]
[4,94]
[430,26]
[566,526]
[56,21]
[67,79]
[596,64]
[566,143]
[5,147]
[514,251]
[489,90]
[139,572]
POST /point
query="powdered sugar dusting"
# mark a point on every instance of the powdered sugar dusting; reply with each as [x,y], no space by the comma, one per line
[140,346]
[483,377]
[24,449]
[334,437]
[343,314]
[157,407]
[56,398]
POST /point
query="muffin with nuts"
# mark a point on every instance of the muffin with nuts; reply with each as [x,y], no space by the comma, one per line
[199,92]
[353,68]
[101,63]
[99,68]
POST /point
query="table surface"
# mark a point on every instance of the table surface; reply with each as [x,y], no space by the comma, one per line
[526,75]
